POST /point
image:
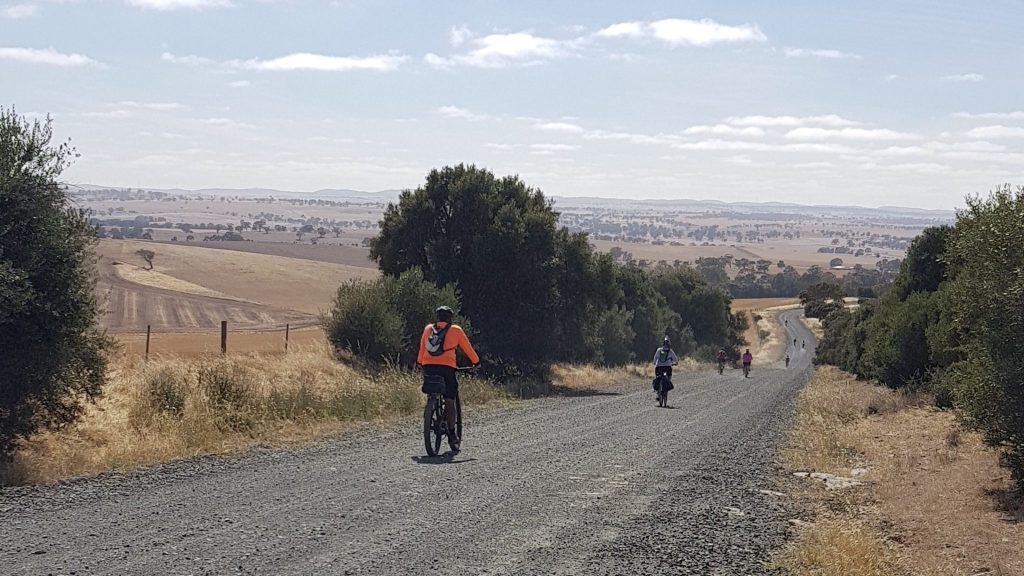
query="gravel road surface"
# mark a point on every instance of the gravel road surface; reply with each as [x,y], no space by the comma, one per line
[599,484]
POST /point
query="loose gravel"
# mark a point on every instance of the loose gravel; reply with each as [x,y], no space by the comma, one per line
[600,484]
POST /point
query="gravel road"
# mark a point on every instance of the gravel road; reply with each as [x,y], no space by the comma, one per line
[600,484]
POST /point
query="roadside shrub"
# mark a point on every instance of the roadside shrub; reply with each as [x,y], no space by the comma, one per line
[166,390]
[381,321]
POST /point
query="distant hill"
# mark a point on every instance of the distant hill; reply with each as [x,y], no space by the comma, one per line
[778,209]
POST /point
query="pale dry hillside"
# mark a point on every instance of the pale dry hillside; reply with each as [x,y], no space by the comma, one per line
[290,283]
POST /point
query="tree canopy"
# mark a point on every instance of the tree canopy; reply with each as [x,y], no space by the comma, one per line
[51,351]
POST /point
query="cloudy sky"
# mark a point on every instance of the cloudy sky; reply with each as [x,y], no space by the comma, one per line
[911,103]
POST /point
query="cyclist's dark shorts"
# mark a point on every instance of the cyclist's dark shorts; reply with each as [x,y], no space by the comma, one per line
[666,370]
[451,384]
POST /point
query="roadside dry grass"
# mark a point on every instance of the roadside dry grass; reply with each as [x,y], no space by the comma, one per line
[933,499]
[171,408]
[174,407]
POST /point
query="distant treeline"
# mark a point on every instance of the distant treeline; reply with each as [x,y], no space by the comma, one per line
[952,322]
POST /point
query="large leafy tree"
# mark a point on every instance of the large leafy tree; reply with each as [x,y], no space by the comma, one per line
[986,299]
[51,351]
[498,240]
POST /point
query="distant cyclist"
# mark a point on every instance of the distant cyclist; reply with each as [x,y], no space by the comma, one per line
[748,359]
[664,359]
[437,356]
[787,359]
[723,357]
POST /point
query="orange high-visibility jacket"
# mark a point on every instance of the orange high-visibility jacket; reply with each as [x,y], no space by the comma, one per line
[455,338]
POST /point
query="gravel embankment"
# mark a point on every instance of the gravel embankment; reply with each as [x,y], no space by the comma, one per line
[600,484]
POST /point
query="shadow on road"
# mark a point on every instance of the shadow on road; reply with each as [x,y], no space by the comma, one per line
[446,458]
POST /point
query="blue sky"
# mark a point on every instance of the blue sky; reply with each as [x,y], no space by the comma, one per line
[874,103]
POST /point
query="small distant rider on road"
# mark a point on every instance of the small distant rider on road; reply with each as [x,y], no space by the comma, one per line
[748,358]
[437,356]
[722,357]
[664,359]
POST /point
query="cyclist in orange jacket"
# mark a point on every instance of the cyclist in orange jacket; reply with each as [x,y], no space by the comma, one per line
[437,356]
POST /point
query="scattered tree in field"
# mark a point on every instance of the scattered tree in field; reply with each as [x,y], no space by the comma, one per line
[51,350]
[835,263]
[148,256]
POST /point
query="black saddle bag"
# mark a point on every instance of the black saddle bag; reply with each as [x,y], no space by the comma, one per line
[433,384]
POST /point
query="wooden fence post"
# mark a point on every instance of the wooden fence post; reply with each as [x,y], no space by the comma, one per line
[147,342]
[286,330]
[223,336]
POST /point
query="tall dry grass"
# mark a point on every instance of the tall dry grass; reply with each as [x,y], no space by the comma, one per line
[170,408]
[839,542]
[831,402]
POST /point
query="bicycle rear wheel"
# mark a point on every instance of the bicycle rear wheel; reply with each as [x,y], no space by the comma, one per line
[433,416]
[458,416]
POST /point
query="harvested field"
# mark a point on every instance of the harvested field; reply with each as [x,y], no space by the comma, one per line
[193,289]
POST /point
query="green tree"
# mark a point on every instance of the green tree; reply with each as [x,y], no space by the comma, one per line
[986,299]
[51,350]
[498,240]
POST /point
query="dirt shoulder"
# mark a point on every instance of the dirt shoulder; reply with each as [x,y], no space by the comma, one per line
[930,499]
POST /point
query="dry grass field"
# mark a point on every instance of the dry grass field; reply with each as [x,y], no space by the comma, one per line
[933,502]
[193,288]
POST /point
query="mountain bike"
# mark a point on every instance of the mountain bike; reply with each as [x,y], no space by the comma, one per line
[662,384]
[435,415]
[662,387]
[746,370]
[721,367]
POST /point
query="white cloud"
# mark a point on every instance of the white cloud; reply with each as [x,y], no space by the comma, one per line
[891,77]
[862,134]
[157,106]
[459,35]
[997,131]
[971,77]
[461,113]
[703,32]
[920,168]
[119,113]
[297,61]
[497,146]
[321,63]
[17,11]
[632,137]
[227,122]
[500,50]
[829,120]
[168,5]
[681,32]
[623,29]
[827,54]
[1015,115]
[186,60]
[563,127]
[725,130]
[47,56]
[240,84]
[552,148]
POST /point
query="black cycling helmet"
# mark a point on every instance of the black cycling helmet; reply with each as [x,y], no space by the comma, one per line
[666,342]
[444,314]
